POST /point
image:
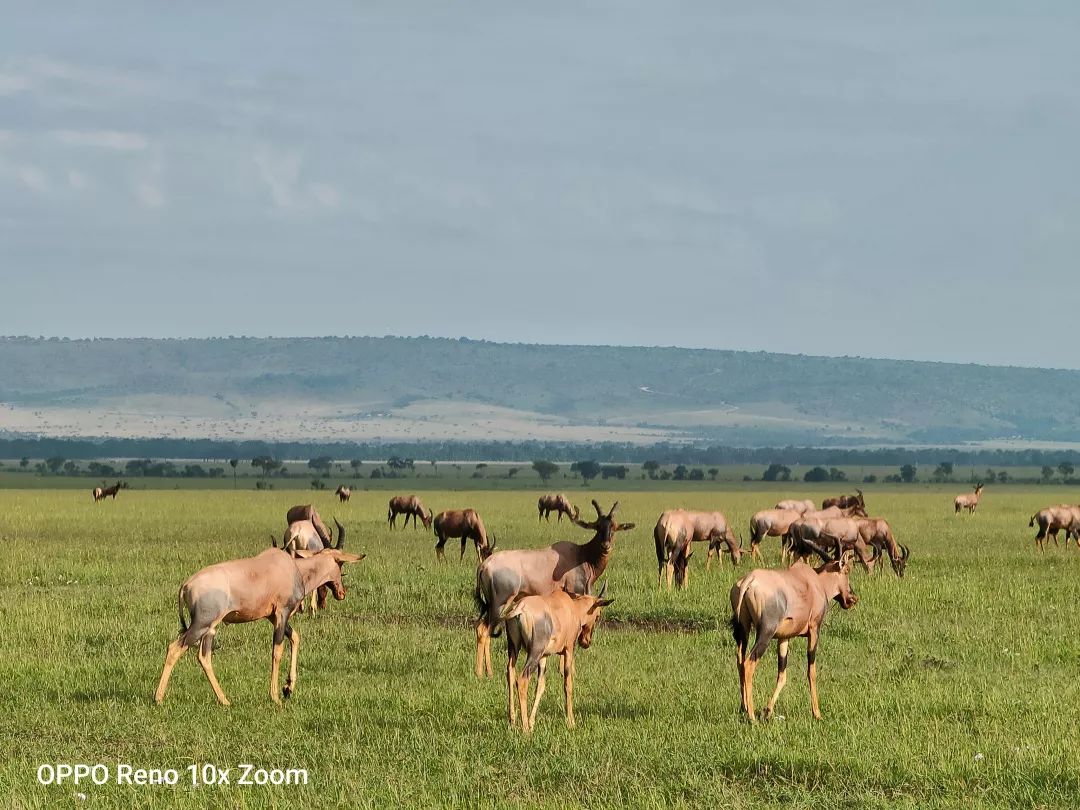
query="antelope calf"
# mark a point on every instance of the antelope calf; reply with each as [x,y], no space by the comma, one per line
[781,605]
[542,626]
[968,501]
[269,586]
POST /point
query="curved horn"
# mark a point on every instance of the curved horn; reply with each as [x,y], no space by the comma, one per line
[596,506]
[340,534]
[603,590]
[904,552]
[611,511]
[817,550]
[273,540]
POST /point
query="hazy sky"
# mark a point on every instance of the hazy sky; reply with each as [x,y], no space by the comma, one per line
[881,179]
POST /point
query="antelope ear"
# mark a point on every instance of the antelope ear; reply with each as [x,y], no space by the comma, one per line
[625,527]
[600,603]
[303,554]
[344,556]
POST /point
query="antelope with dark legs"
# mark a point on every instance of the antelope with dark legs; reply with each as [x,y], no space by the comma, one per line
[553,503]
[968,501]
[846,501]
[466,524]
[541,626]
[269,586]
[302,535]
[101,493]
[343,492]
[411,507]
[505,575]
[1053,519]
[678,526]
[782,605]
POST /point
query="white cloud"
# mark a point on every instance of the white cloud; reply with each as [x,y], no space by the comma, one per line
[10,84]
[102,139]
[89,75]
[280,170]
[147,187]
[33,178]
[77,180]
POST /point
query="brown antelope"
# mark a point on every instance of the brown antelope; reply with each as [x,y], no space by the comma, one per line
[877,532]
[846,501]
[537,572]
[541,626]
[301,536]
[101,493]
[784,604]
[678,525]
[770,523]
[410,506]
[463,523]
[968,501]
[802,507]
[553,503]
[268,586]
[343,492]
[842,534]
[307,512]
[1053,519]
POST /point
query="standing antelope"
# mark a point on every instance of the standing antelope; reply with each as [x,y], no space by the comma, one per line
[842,534]
[542,626]
[1052,519]
[463,523]
[410,506]
[878,533]
[343,492]
[268,586]
[537,572]
[676,525]
[101,493]
[801,507]
[969,501]
[553,503]
[302,537]
[306,513]
[784,604]
[770,523]
[846,501]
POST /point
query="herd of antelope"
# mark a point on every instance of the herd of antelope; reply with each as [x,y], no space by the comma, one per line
[542,599]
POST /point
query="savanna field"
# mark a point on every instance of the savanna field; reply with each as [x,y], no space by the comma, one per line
[954,687]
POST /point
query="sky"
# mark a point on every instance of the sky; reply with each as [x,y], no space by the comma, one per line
[863,178]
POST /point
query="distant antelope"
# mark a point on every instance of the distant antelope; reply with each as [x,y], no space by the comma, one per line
[463,523]
[797,506]
[846,501]
[101,493]
[410,506]
[783,604]
[343,492]
[968,501]
[268,586]
[553,503]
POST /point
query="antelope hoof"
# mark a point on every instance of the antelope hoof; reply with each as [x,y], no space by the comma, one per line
[287,691]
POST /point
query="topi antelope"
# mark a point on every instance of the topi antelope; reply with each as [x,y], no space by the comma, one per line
[541,626]
[506,575]
[770,523]
[306,512]
[847,502]
[802,507]
[781,605]
[1053,519]
[676,525]
[269,586]
[302,536]
[101,493]
[343,492]
[410,506]
[553,503]
[968,501]
[463,523]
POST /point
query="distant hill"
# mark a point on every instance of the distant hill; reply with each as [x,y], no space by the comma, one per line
[422,388]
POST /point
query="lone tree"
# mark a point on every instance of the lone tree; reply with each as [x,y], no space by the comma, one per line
[588,470]
[233,462]
[713,472]
[650,467]
[321,464]
[1066,469]
[266,464]
[545,469]
[1047,473]
[776,472]
[908,473]
[816,474]
[356,464]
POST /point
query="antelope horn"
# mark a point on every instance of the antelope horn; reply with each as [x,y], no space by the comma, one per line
[614,506]
[596,506]
[340,534]
[904,552]
[273,540]
[603,590]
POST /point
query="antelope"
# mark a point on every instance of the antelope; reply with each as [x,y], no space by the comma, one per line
[968,501]
[307,513]
[877,533]
[537,572]
[784,604]
[101,493]
[268,586]
[676,525]
[842,533]
[770,523]
[846,501]
[1054,518]
[410,506]
[302,536]
[553,503]
[343,492]
[801,507]
[463,523]
[542,626]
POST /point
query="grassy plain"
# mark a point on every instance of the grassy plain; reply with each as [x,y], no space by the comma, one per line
[955,687]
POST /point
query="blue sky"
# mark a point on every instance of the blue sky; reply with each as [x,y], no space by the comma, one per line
[861,178]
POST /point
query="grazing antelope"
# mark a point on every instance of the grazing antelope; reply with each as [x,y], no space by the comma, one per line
[877,532]
[846,502]
[301,536]
[541,626]
[802,507]
[307,512]
[678,525]
[536,572]
[268,586]
[842,534]
[343,492]
[770,523]
[463,523]
[781,605]
[969,501]
[553,503]
[1052,519]
[101,493]
[410,506]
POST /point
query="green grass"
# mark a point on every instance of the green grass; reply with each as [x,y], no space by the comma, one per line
[974,653]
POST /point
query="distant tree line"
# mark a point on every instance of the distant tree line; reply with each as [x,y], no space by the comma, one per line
[401,455]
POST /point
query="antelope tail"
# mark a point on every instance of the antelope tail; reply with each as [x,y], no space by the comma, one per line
[742,594]
[1032,521]
[180,609]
